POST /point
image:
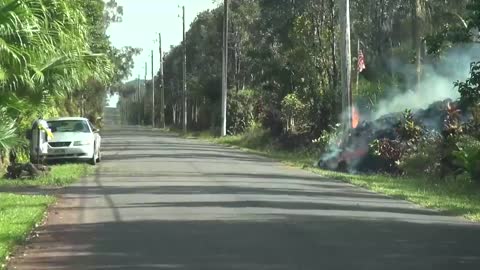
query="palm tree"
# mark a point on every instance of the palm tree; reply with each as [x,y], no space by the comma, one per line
[44,55]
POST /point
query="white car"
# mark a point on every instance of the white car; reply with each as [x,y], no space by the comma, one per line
[74,138]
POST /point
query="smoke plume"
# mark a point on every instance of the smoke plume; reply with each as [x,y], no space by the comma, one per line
[437,82]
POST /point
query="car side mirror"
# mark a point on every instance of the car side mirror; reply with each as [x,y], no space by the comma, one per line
[28,134]
[96,130]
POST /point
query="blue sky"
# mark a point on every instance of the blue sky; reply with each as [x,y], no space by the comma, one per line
[143,19]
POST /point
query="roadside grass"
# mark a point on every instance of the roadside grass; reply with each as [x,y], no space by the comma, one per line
[60,176]
[452,197]
[19,214]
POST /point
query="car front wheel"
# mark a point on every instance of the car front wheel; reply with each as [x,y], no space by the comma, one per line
[99,156]
[93,159]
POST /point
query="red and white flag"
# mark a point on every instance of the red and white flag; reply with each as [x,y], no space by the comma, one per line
[361,62]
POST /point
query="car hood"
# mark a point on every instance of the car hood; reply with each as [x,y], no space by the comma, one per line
[71,136]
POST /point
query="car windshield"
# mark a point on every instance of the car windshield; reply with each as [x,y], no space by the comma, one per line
[68,126]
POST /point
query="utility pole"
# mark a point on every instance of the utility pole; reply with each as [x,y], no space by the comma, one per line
[145,90]
[162,86]
[153,95]
[184,74]
[225,68]
[346,60]
[138,98]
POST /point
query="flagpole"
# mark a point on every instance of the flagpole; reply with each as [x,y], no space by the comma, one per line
[358,70]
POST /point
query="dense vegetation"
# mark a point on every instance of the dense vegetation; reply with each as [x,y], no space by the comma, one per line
[55,60]
[284,68]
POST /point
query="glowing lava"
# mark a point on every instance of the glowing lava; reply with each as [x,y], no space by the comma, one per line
[355,117]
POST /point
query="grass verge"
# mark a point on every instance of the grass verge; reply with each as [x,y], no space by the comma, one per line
[19,214]
[452,197]
[60,176]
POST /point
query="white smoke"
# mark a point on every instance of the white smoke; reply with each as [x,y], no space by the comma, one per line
[437,82]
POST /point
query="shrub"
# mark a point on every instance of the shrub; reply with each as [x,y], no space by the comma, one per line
[409,130]
[241,111]
[391,151]
[369,93]
[294,113]
[268,112]
[329,138]
[469,90]
[467,157]
[423,159]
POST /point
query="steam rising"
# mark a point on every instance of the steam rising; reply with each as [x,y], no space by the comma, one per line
[437,82]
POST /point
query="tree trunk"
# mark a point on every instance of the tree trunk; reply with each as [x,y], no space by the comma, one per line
[196,111]
[418,39]
[333,46]
[174,114]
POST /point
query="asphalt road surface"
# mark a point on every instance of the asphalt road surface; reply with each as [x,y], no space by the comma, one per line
[161,202]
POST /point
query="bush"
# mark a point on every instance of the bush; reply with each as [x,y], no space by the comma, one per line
[329,138]
[423,159]
[391,151]
[369,93]
[409,131]
[469,90]
[269,113]
[241,111]
[294,113]
[467,157]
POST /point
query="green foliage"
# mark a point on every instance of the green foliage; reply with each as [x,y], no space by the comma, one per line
[398,151]
[253,138]
[451,124]
[470,89]
[8,137]
[328,138]
[123,62]
[294,113]
[240,111]
[473,8]
[19,215]
[424,159]
[369,93]
[409,130]
[467,157]
[54,54]
[292,50]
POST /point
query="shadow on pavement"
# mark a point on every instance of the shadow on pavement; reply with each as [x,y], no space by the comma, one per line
[141,211]
[336,244]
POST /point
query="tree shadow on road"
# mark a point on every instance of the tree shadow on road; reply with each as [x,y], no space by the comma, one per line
[260,243]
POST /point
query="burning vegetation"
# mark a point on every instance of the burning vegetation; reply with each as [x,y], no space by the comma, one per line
[441,139]
[377,145]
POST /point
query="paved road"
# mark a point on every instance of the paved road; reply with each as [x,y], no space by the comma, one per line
[161,202]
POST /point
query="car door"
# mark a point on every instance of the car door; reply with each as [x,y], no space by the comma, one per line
[96,135]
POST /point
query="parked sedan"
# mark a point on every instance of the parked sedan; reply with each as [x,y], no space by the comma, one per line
[74,138]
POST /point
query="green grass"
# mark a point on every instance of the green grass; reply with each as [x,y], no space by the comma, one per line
[18,216]
[61,175]
[20,213]
[453,197]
